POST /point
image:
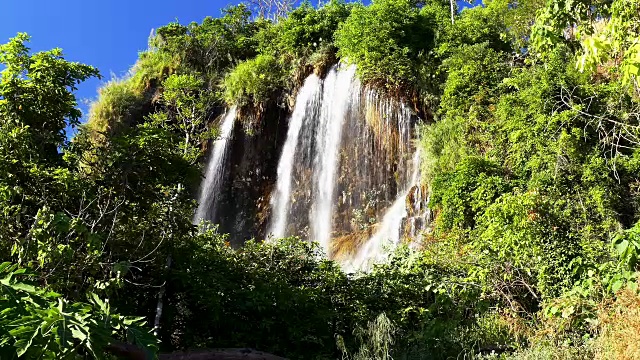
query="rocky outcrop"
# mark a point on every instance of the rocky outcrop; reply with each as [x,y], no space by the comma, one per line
[251,172]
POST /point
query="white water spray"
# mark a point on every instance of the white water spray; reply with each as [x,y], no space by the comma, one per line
[389,233]
[207,204]
[340,91]
[307,99]
[346,168]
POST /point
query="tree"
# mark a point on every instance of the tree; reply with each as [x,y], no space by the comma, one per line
[36,104]
[613,38]
[271,9]
[189,107]
[385,40]
[36,95]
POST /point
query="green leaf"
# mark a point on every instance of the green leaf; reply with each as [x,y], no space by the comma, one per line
[621,245]
[617,285]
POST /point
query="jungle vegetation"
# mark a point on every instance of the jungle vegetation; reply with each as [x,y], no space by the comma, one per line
[531,128]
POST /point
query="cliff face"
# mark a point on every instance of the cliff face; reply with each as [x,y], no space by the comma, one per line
[340,168]
[250,173]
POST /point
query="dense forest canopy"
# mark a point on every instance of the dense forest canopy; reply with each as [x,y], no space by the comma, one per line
[530,139]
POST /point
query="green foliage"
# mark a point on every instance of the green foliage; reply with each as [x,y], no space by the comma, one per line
[607,31]
[386,40]
[557,15]
[545,215]
[84,216]
[211,47]
[304,30]
[205,51]
[525,231]
[37,323]
[188,110]
[254,81]
[482,24]
[36,94]
[474,73]
[36,104]
[616,38]
[627,246]
[532,168]
[517,17]
[255,296]
[376,339]
[117,108]
[463,194]
[152,67]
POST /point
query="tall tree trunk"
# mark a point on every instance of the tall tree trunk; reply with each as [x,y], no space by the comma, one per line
[160,305]
[453,10]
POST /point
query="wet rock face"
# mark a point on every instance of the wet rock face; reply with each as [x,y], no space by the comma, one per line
[341,168]
[374,163]
[251,172]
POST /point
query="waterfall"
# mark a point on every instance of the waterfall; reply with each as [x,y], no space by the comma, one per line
[303,200]
[280,201]
[389,233]
[210,186]
[348,165]
[339,88]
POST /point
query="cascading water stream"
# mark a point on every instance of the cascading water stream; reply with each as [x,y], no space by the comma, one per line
[390,231]
[210,186]
[339,92]
[306,101]
[306,184]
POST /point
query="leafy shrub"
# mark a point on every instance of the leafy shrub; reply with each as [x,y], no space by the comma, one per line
[256,295]
[463,194]
[213,46]
[376,340]
[444,146]
[478,25]
[469,92]
[38,323]
[304,30]
[117,108]
[254,81]
[151,69]
[385,40]
[474,73]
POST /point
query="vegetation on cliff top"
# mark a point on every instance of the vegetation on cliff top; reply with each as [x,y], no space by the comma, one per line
[531,157]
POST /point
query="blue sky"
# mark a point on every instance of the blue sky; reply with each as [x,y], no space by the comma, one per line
[107,34]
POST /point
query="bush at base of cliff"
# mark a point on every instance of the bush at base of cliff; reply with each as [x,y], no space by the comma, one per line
[283,297]
[619,323]
[38,323]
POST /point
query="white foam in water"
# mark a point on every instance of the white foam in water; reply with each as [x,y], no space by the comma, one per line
[388,235]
